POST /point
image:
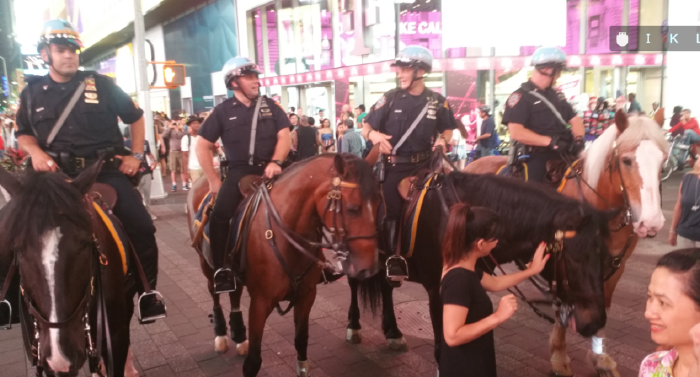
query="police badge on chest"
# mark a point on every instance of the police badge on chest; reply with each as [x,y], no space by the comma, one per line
[91,90]
[432,110]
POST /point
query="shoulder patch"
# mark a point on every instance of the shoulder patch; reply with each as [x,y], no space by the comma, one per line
[514,99]
[446,105]
[561,96]
[278,104]
[380,103]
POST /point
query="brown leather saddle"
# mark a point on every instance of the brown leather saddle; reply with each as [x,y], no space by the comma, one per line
[557,171]
[248,184]
[103,193]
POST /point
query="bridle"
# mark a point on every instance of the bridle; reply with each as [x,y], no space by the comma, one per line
[338,242]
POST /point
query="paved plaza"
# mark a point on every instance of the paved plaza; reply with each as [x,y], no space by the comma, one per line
[183,343]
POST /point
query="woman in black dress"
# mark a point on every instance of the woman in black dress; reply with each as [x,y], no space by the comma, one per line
[468,319]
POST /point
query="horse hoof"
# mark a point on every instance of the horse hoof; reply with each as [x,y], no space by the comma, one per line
[398,344]
[221,344]
[242,348]
[353,336]
[561,368]
[303,368]
[604,364]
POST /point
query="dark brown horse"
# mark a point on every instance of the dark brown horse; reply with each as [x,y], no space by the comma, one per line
[529,214]
[71,271]
[332,193]
[623,165]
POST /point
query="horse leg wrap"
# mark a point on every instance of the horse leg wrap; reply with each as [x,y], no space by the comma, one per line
[219,321]
[238,330]
[303,368]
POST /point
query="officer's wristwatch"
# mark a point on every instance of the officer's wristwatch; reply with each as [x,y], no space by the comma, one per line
[278,162]
[138,156]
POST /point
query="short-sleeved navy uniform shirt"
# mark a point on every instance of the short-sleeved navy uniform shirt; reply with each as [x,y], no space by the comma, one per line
[530,111]
[232,122]
[394,113]
[91,125]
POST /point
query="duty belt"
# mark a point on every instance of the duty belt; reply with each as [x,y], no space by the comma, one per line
[408,159]
[72,164]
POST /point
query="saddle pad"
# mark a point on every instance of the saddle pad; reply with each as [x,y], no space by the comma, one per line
[117,232]
[519,172]
[410,221]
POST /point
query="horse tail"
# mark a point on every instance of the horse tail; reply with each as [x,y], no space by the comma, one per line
[371,291]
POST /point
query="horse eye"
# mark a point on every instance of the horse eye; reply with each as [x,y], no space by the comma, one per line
[627,161]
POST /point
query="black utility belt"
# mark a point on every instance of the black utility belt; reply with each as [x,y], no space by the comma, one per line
[407,159]
[235,164]
[70,163]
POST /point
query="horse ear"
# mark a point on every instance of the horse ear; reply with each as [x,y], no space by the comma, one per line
[9,182]
[659,117]
[84,181]
[621,120]
[339,165]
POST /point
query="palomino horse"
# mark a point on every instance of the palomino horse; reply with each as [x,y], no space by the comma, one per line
[623,166]
[330,193]
[529,214]
[72,275]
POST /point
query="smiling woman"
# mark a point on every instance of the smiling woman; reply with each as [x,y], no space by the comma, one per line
[673,309]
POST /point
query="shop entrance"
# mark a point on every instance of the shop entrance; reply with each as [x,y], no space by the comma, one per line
[311,100]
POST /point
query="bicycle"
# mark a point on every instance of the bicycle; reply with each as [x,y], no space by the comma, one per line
[676,149]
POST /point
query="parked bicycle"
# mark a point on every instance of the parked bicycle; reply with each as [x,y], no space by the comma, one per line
[677,149]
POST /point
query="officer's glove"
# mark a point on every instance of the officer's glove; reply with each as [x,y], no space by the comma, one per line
[558,144]
[577,146]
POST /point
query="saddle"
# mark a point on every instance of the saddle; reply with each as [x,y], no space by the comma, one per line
[558,171]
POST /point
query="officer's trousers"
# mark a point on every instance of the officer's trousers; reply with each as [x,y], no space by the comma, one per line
[537,164]
[130,210]
[390,188]
[227,202]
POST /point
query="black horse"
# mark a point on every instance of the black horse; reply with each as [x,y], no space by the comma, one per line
[71,271]
[529,213]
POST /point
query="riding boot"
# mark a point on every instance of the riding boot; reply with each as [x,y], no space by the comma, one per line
[219,234]
[396,266]
[151,304]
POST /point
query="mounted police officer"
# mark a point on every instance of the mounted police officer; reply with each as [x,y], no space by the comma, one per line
[255,133]
[537,115]
[407,123]
[68,118]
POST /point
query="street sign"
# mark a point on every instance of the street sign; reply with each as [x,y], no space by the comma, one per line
[174,74]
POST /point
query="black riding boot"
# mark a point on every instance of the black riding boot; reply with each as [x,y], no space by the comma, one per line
[219,236]
[151,305]
[396,267]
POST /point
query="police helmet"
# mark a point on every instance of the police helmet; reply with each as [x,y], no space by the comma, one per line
[236,67]
[549,57]
[485,109]
[416,57]
[59,32]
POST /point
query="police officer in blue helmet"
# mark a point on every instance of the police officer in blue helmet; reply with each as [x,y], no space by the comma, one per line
[407,123]
[247,114]
[538,116]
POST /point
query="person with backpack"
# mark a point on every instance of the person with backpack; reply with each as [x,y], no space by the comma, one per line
[408,123]
[193,168]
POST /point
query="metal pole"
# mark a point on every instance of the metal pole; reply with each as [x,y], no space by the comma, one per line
[144,91]
[4,68]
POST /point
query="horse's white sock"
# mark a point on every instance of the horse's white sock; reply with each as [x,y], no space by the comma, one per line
[597,345]
[235,310]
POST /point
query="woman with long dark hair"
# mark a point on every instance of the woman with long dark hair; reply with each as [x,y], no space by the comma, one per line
[468,317]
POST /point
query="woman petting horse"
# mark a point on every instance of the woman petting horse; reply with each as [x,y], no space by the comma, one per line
[73,275]
[531,214]
[619,170]
[331,194]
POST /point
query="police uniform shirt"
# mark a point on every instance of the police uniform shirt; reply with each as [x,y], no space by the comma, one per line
[91,125]
[524,108]
[232,122]
[394,113]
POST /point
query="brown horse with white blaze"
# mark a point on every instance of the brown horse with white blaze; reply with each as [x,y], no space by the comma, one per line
[619,170]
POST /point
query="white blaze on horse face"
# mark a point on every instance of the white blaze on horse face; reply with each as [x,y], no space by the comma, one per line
[49,256]
[649,159]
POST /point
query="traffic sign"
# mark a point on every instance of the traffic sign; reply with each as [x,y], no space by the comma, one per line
[174,74]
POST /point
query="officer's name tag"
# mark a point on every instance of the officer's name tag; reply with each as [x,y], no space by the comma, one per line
[232,118]
[398,110]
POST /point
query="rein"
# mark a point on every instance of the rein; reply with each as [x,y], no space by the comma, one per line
[339,237]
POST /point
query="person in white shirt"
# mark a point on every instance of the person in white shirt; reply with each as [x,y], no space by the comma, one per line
[188,141]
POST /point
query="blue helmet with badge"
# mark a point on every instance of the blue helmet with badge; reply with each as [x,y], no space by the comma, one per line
[59,32]
[416,57]
[549,57]
[236,67]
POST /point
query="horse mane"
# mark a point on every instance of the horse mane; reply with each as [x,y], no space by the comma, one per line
[44,198]
[365,177]
[640,128]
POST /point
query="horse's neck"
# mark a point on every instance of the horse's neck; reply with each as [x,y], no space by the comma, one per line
[605,194]
[298,213]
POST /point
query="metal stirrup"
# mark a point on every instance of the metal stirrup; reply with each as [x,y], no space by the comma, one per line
[152,318]
[8,325]
[224,271]
[398,278]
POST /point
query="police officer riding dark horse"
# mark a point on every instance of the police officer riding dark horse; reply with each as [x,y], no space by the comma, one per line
[255,133]
[407,123]
[538,116]
[67,120]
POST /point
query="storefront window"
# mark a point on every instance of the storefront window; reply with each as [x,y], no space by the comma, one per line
[602,14]
[270,36]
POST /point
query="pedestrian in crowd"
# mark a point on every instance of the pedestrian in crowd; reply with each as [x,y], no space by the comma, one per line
[344,110]
[468,318]
[320,115]
[165,147]
[359,115]
[2,145]
[326,134]
[654,109]
[685,223]
[487,141]
[347,115]
[292,110]
[175,133]
[352,141]
[691,134]
[294,121]
[194,170]
[459,150]
[308,139]
[675,118]
[146,169]
[673,310]
[339,132]
[634,105]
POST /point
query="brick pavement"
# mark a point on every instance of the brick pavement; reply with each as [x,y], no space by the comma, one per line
[182,344]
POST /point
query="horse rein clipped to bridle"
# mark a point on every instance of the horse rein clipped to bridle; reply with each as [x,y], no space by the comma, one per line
[339,237]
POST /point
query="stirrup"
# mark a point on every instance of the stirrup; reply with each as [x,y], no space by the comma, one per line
[396,279]
[8,325]
[153,317]
[224,271]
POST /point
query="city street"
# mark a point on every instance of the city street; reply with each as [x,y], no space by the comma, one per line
[183,343]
